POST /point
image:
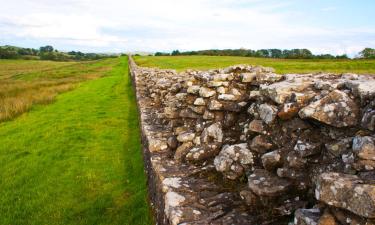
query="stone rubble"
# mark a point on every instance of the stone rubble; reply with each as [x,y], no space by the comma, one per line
[244,145]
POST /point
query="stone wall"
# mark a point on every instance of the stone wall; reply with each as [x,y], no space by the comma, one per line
[244,145]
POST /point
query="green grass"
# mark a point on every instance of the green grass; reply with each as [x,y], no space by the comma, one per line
[181,63]
[76,161]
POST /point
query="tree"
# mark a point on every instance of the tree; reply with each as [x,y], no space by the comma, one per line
[175,52]
[47,48]
[367,53]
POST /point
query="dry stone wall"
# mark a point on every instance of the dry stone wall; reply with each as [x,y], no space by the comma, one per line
[245,145]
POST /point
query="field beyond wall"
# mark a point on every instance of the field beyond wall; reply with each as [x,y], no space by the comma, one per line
[282,66]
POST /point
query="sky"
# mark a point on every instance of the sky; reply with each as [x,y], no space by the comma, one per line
[323,26]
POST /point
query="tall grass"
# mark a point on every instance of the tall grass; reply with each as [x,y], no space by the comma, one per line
[38,82]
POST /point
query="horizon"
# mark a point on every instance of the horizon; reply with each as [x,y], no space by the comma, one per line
[324,27]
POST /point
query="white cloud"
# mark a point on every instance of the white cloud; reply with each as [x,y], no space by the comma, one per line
[169,24]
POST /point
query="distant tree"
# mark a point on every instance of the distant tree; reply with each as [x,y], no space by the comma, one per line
[275,53]
[367,53]
[175,52]
[47,48]
[161,54]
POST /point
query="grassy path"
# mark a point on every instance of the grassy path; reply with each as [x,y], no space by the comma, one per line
[76,161]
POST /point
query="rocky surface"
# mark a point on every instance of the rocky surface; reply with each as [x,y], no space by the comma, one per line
[244,145]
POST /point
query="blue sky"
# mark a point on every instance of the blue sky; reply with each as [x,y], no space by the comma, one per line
[330,26]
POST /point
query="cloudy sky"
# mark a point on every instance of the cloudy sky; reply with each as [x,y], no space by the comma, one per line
[323,26]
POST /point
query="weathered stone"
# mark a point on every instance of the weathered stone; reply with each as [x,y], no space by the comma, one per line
[172,142]
[182,150]
[171,113]
[198,154]
[256,126]
[221,90]
[307,216]
[368,118]
[335,109]
[281,92]
[248,77]
[156,145]
[271,160]
[230,155]
[207,115]
[364,165]
[290,173]
[193,89]
[305,149]
[364,147]
[294,160]
[227,97]
[217,83]
[268,77]
[231,106]
[264,183]
[188,113]
[199,102]
[198,109]
[267,113]
[260,144]
[186,137]
[206,92]
[249,197]
[327,219]
[348,192]
[288,111]
[215,105]
[340,147]
[364,88]
[213,133]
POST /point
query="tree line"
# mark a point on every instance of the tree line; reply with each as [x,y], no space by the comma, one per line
[47,53]
[367,53]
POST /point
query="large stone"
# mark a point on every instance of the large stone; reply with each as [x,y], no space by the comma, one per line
[213,133]
[347,192]
[260,144]
[364,88]
[336,109]
[271,160]
[182,150]
[227,97]
[368,118]
[215,105]
[305,149]
[156,145]
[268,77]
[186,137]
[364,147]
[199,102]
[206,92]
[267,113]
[256,126]
[281,92]
[264,183]
[248,77]
[231,155]
[339,147]
[194,89]
[198,154]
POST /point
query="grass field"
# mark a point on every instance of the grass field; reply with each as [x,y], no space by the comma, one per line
[181,63]
[78,160]
[25,83]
